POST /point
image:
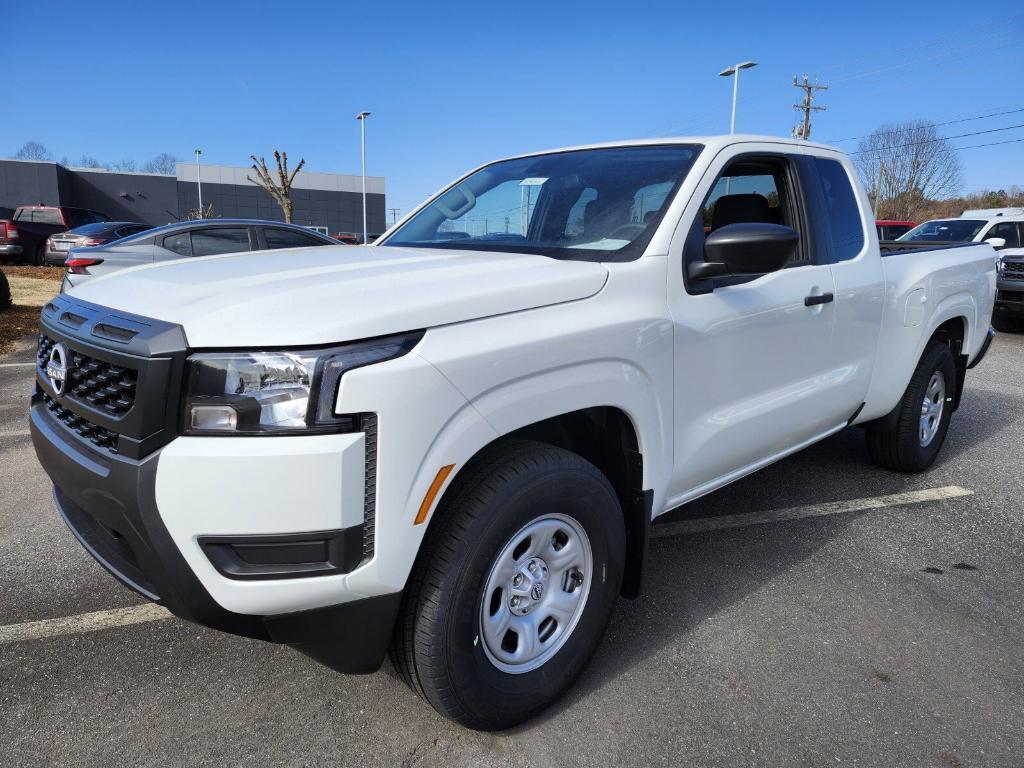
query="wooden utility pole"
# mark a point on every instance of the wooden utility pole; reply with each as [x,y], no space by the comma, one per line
[806,106]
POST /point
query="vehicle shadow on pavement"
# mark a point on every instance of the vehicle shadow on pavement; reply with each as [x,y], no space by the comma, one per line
[690,579]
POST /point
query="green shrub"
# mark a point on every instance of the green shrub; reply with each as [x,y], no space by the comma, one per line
[5,291]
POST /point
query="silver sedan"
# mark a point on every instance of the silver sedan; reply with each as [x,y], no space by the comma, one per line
[207,237]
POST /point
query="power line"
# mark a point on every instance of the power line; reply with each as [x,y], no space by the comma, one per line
[804,131]
[989,144]
[942,138]
[885,68]
[981,32]
[946,122]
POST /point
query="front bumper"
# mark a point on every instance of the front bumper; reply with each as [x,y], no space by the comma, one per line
[55,258]
[1009,298]
[246,536]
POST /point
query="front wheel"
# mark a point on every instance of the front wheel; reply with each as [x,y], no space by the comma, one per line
[513,587]
[923,415]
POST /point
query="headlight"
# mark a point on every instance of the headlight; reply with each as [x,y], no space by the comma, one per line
[999,267]
[277,392]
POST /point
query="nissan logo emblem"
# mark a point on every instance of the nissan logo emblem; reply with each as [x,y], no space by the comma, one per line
[57,368]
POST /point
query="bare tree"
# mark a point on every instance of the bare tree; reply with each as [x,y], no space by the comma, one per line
[905,165]
[162,163]
[206,213]
[32,150]
[88,161]
[124,165]
[281,189]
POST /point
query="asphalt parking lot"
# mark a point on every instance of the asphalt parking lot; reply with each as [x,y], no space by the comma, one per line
[885,636]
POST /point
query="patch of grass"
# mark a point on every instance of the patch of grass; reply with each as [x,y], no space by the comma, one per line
[30,292]
[31,288]
[15,323]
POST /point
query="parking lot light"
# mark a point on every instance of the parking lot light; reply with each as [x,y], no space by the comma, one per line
[361,117]
[734,72]
[199,180]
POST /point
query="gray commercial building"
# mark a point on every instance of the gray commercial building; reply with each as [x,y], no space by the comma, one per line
[326,200]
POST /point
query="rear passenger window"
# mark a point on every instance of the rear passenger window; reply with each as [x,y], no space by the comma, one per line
[841,206]
[210,242]
[288,238]
[179,243]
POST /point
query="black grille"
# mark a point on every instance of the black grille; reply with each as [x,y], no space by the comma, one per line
[107,387]
[43,349]
[1013,270]
[98,436]
[369,425]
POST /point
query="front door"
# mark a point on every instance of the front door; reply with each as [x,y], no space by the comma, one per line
[753,373]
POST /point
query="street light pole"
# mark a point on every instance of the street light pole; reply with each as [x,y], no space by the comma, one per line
[734,72]
[361,117]
[199,180]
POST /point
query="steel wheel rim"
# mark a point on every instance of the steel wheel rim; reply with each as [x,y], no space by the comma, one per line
[535,593]
[931,409]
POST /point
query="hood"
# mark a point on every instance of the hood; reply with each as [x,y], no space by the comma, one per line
[332,294]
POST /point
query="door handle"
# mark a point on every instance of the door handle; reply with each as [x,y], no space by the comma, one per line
[821,298]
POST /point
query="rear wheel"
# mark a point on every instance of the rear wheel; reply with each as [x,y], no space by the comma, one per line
[923,415]
[514,585]
[39,259]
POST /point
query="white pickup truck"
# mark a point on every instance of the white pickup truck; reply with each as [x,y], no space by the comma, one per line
[453,443]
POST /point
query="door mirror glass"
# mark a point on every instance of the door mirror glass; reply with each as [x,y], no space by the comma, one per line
[997,242]
[750,248]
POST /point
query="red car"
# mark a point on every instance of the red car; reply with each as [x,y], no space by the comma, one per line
[23,236]
[347,238]
[890,230]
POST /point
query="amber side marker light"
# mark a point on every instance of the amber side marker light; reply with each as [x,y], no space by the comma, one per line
[428,500]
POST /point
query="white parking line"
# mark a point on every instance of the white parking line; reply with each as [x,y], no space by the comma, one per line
[16,365]
[15,433]
[83,622]
[809,510]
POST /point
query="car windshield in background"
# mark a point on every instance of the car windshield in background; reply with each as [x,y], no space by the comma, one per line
[93,229]
[944,230]
[592,204]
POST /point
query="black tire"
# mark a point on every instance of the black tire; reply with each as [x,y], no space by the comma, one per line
[437,647]
[1006,324]
[900,448]
[39,258]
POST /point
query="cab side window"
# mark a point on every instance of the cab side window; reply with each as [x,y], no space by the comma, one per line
[752,190]
[844,217]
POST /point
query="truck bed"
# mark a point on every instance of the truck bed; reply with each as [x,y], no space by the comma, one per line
[889,247]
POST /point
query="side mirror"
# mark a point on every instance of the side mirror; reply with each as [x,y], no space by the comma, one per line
[746,249]
[997,242]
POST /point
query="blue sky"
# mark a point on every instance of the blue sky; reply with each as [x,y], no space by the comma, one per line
[452,86]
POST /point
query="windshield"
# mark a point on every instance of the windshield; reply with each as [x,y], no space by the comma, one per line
[593,204]
[945,230]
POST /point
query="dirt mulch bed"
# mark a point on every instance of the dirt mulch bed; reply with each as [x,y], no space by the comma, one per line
[15,323]
[39,273]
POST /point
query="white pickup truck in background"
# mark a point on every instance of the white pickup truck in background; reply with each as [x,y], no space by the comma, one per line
[453,443]
[1003,229]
